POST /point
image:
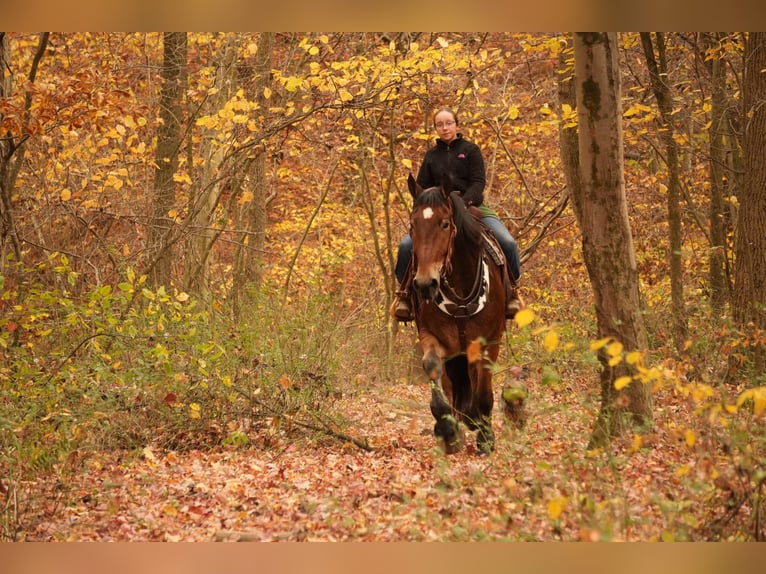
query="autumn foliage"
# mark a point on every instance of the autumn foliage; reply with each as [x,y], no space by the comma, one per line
[285,405]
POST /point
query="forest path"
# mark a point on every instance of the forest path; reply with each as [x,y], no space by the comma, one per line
[538,485]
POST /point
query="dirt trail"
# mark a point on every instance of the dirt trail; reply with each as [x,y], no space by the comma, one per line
[531,488]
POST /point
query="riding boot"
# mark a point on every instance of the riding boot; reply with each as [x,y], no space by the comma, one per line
[402,308]
[513,302]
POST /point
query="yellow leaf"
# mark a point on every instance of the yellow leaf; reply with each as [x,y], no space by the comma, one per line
[284,382]
[149,455]
[622,382]
[524,317]
[614,349]
[555,506]
[182,297]
[407,163]
[194,410]
[634,357]
[345,95]
[691,438]
[759,404]
[182,177]
[513,112]
[292,83]
[169,510]
[596,345]
[66,195]
[551,341]
[246,197]
[267,93]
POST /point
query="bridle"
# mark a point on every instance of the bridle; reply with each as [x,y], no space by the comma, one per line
[447,299]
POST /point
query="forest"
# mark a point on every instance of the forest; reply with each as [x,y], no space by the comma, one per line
[198,235]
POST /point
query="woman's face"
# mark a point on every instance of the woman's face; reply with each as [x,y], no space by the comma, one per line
[446,127]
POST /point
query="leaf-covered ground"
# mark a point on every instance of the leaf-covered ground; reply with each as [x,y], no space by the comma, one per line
[540,484]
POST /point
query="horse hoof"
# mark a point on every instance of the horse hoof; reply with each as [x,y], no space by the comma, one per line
[485,441]
[449,434]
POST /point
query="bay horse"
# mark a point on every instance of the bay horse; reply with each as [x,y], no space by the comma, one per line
[459,305]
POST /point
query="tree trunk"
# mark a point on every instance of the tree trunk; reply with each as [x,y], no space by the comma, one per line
[659,78]
[568,136]
[160,243]
[210,182]
[719,282]
[749,301]
[601,208]
[248,260]
[12,147]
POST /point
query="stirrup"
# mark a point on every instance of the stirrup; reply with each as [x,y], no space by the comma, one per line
[513,307]
[402,308]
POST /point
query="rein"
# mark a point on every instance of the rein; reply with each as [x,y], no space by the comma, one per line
[448,300]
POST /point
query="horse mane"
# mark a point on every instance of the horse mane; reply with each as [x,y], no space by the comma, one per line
[468,227]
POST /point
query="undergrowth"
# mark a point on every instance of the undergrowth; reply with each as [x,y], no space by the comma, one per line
[129,368]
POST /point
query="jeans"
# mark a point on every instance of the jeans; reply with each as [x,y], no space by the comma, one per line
[503,236]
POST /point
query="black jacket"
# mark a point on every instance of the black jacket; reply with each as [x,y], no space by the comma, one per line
[463,161]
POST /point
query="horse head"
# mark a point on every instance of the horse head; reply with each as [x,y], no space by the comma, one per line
[432,229]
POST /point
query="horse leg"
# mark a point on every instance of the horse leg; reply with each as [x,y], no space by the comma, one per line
[446,428]
[481,411]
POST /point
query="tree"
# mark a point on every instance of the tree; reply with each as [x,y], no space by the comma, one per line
[248,261]
[12,140]
[597,191]
[719,134]
[169,139]
[658,73]
[749,301]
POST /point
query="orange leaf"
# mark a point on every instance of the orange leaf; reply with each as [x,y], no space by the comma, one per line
[473,352]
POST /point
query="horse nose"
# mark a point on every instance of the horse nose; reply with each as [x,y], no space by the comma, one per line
[426,286]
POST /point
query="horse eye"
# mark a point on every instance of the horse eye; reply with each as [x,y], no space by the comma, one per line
[445,224]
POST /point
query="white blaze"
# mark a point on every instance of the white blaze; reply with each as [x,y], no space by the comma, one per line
[428,213]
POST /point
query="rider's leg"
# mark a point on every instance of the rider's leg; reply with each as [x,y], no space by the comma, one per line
[507,243]
[402,310]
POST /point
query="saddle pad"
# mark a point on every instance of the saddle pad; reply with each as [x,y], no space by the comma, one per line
[493,247]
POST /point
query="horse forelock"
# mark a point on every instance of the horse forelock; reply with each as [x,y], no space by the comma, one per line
[430,197]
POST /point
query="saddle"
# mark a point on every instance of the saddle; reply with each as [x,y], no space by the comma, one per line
[491,246]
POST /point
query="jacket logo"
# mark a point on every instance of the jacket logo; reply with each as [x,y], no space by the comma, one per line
[461,156]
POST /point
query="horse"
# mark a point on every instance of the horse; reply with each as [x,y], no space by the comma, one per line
[459,306]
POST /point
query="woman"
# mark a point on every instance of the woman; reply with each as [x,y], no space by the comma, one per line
[462,159]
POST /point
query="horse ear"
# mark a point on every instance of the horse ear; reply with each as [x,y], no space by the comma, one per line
[415,189]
